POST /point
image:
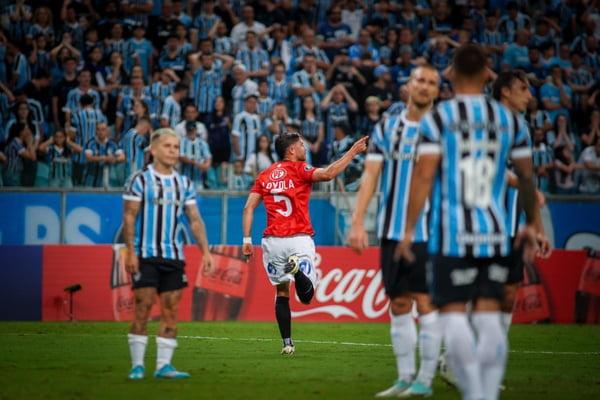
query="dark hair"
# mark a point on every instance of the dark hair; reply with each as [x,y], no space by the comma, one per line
[505,80]
[469,60]
[303,110]
[257,150]
[86,100]
[558,154]
[284,141]
[180,86]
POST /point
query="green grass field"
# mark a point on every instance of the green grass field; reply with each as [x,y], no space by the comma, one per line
[241,361]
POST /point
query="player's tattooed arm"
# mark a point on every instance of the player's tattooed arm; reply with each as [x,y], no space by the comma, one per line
[197,227]
[421,183]
[337,167]
[129,214]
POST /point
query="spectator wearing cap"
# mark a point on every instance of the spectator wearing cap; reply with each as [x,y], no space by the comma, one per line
[140,51]
[190,114]
[336,35]
[171,108]
[243,87]
[253,57]
[556,95]
[516,54]
[339,105]
[401,71]
[362,48]
[238,33]
[246,128]
[382,88]
[513,21]
[309,81]
[195,156]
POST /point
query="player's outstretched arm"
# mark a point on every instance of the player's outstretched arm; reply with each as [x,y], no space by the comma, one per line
[335,168]
[131,209]
[357,238]
[420,187]
[199,231]
[253,201]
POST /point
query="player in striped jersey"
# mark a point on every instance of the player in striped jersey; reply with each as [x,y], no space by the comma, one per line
[392,151]
[511,88]
[133,144]
[155,201]
[464,146]
[171,108]
[245,130]
[84,122]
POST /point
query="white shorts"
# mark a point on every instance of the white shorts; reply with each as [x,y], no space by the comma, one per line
[276,251]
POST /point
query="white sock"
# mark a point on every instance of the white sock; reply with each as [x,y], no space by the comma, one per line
[404,341]
[137,348]
[430,341]
[461,354]
[506,321]
[491,350]
[164,351]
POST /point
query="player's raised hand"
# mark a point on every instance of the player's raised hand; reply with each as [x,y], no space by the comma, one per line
[360,145]
[357,238]
[247,250]
[132,264]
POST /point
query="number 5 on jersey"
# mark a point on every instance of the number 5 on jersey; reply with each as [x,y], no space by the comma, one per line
[286,202]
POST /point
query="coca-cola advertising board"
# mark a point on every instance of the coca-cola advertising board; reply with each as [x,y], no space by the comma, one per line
[349,289]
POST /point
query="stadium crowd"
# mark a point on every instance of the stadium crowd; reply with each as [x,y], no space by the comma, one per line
[84,82]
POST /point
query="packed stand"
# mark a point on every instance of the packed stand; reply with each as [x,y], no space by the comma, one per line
[85,82]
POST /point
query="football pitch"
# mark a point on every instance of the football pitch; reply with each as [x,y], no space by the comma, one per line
[237,360]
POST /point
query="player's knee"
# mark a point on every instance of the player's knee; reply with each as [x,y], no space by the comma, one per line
[424,305]
[143,305]
[400,305]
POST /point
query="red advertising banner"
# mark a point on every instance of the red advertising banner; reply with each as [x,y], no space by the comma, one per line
[558,289]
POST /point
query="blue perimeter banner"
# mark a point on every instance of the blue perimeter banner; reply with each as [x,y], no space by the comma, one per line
[95,218]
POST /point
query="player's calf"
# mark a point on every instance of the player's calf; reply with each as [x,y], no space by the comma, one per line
[303,284]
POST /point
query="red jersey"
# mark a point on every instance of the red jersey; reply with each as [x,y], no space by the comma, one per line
[285,189]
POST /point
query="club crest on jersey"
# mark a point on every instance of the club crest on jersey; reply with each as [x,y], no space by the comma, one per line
[278,173]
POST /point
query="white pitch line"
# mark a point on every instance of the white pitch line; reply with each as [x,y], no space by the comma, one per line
[330,342]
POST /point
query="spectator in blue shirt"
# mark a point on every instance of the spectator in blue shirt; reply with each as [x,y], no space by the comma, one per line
[336,35]
[516,54]
[140,51]
[364,47]
[556,96]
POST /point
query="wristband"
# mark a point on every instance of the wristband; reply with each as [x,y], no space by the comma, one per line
[247,240]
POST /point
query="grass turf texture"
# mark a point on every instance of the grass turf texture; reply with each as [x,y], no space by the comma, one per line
[91,361]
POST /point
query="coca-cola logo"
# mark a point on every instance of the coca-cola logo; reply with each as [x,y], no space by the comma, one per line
[530,302]
[124,304]
[231,275]
[343,288]
[278,173]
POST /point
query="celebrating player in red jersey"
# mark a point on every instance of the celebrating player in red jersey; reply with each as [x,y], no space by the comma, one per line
[288,247]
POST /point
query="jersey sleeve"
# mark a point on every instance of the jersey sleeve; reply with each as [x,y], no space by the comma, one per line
[376,150]
[430,134]
[521,147]
[134,188]
[257,187]
[305,172]
[190,193]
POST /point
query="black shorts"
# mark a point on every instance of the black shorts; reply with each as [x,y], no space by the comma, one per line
[463,279]
[515,264]
[400,277]
[163,274]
